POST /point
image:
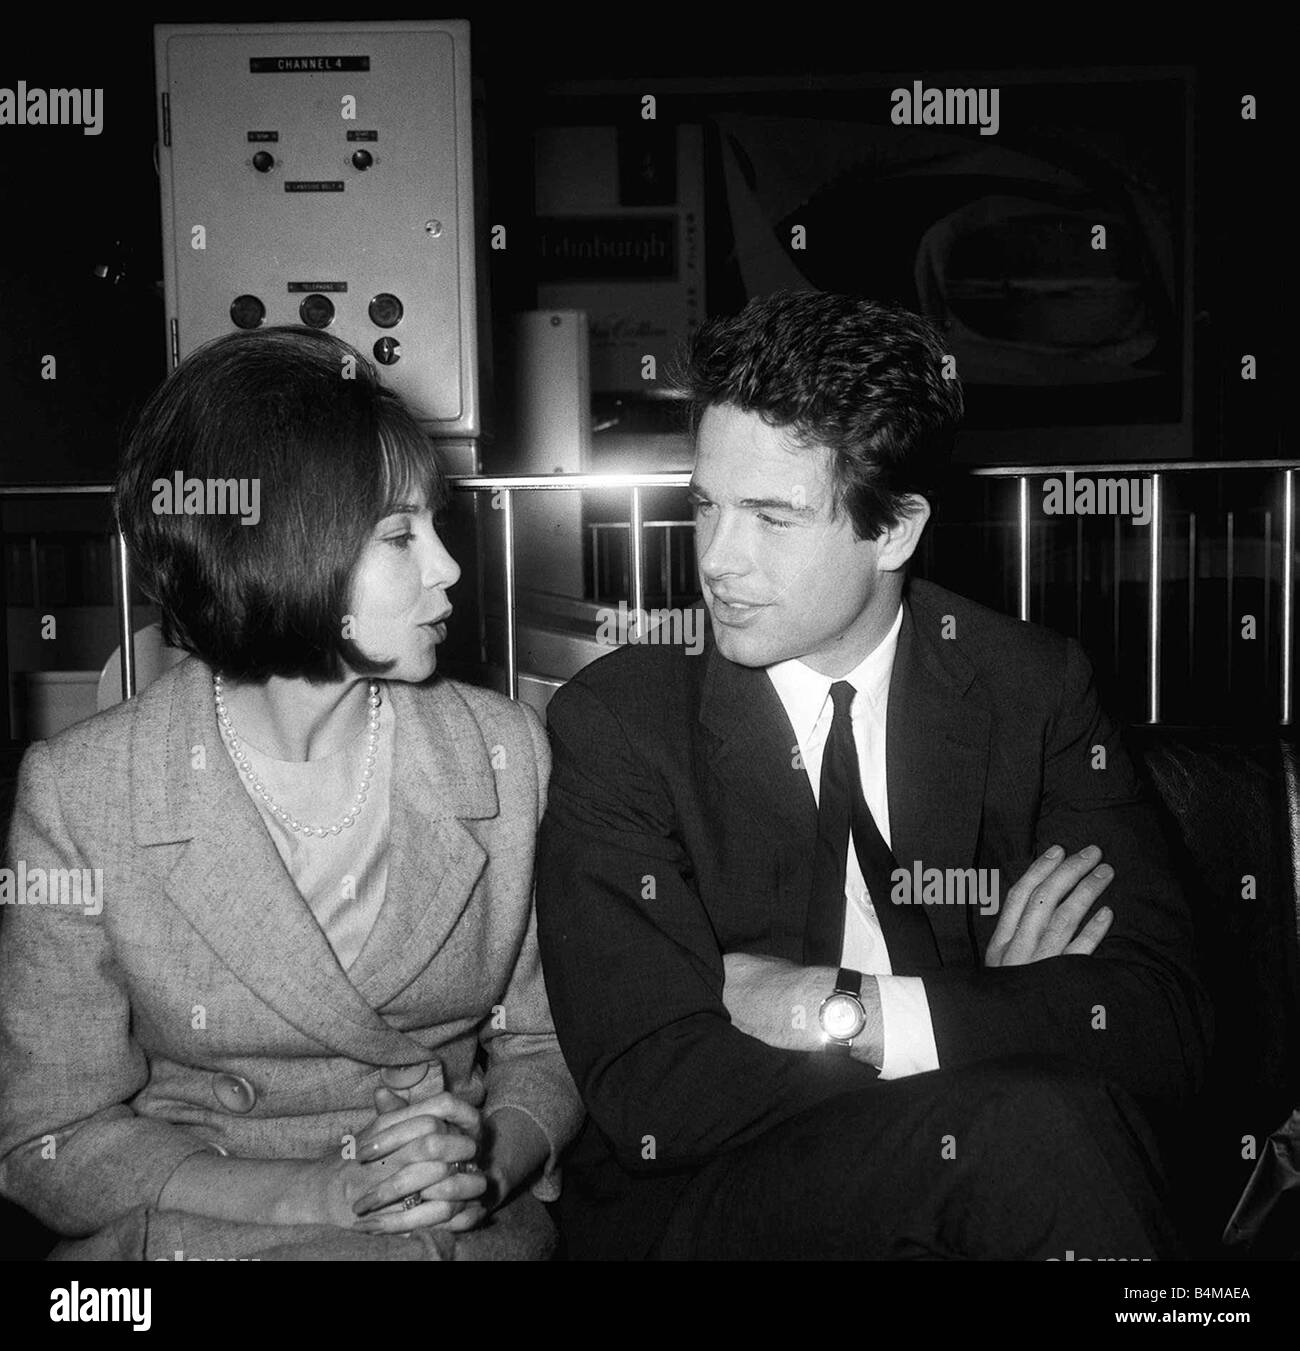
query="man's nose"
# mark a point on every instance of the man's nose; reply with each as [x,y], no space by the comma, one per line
[723,552]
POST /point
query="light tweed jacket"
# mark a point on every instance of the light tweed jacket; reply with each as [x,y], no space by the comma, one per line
[203,1008]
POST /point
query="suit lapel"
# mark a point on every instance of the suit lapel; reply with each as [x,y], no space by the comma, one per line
[228,879]
[755,756]
[937,750]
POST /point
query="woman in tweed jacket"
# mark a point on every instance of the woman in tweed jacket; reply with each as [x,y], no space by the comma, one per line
[298,1009]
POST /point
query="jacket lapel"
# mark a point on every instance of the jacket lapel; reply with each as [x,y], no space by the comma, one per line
[937,750]
[442,776]
[228,879]
[937,747]
[755,756]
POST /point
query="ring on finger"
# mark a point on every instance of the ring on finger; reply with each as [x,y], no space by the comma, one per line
[413,1199]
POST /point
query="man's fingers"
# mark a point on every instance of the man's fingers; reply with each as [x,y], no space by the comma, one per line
[1016,898]
[1042,904]
[1069,914]
[1091,934]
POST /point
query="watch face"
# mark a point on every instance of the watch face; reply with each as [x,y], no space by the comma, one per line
[842,1017]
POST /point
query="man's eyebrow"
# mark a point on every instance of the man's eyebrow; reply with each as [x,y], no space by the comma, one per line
[760,503]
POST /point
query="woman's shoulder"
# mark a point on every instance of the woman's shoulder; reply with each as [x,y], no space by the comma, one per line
[109,732]
[494,714]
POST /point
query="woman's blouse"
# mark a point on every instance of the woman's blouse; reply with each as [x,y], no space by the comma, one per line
[341,877]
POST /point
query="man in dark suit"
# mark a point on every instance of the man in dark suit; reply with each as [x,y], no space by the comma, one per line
[820,908]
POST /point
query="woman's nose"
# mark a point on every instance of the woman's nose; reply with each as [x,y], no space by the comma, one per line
[442,569]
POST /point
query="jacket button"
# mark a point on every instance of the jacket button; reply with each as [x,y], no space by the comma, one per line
[403,1076]
[234,1092]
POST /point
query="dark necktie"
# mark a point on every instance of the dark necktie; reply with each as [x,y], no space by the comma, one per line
[906,928]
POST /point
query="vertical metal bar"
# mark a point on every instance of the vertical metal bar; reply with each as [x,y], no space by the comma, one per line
[636,552]
[1288,591]
[1153,605]
[480,580]
[663,533]
[125,633]
[595,575]
[508,538]
[1268,578]
[1024,547]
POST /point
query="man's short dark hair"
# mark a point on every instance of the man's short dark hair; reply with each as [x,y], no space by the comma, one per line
[862,379]
[334,452]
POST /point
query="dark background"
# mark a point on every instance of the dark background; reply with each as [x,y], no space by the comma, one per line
[71,202]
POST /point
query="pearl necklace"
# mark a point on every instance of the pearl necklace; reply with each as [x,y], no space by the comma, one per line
[245,766]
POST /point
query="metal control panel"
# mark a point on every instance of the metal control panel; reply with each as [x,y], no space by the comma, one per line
[321,174]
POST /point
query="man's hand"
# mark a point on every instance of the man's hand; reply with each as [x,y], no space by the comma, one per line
[1045,907]
[777,1002]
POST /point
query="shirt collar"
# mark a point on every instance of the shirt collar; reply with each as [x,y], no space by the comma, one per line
[803,691]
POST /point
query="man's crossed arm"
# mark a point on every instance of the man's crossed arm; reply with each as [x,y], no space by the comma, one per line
[1044,916]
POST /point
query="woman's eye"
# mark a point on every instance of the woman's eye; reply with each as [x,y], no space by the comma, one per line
[401,541]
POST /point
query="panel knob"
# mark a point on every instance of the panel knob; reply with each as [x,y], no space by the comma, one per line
[362,159]
[386,352]
[263,161]
[385,311]
[317,311]
[247,312]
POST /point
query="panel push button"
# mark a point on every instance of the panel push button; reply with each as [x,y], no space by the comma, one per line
[386,311]
[362,159]
[317,311]
[247,312]
[263,161]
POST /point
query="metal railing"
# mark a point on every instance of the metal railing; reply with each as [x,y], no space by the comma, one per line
[503,488]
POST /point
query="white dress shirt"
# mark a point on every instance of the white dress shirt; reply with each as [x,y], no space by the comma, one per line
[904,1007]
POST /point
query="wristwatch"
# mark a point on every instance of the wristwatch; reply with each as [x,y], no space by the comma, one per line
[841,1015]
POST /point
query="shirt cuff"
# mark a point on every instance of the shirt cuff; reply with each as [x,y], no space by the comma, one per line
[908,1030]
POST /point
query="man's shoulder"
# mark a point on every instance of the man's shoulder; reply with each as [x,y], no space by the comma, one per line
[979,630]
[640,681]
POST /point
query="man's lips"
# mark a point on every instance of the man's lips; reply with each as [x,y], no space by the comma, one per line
[734,612]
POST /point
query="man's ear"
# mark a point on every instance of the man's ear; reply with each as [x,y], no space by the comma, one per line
[898,543]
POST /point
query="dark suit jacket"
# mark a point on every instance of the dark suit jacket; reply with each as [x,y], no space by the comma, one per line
[681,826]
